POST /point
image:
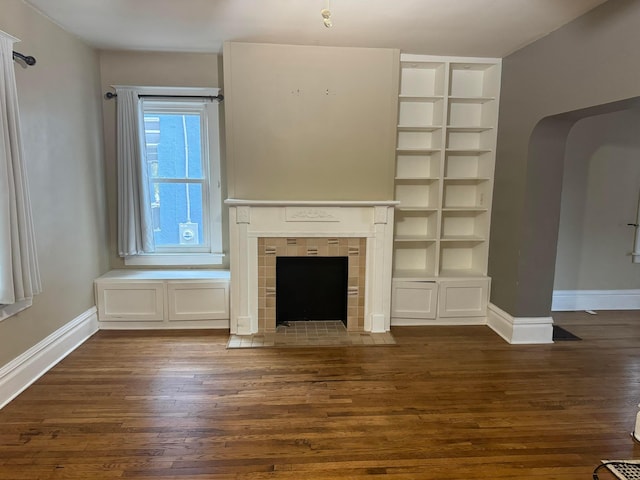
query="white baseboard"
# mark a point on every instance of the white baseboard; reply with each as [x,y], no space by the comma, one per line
[577,300]
[520,330]
[22,371]
[220,324]
[427,322]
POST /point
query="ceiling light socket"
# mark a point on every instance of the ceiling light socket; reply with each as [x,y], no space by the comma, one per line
[326,17]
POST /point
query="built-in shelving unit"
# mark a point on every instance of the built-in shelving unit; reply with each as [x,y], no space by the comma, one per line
[448,109]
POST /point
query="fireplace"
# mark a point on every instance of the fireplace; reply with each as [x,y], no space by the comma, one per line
[311,288]
[274,249]
[260,232]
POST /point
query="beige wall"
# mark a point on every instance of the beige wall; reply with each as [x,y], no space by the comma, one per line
[310,123]
[600,191]
[59,101]
[587,62]
[147,69]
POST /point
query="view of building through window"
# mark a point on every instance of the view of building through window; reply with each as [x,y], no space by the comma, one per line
[174,161]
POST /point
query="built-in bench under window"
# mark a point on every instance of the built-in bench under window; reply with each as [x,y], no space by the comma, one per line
[157,299]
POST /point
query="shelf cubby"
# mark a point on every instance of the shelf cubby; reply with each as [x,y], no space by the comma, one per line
[466,193]
[415,259]
[420,111]
[468,165]
[422,224]
[469,139]
[417,194]
[474,79]
[419,140]
[471,112]
[422,78]
[466,258]
[418,164]
[464,225]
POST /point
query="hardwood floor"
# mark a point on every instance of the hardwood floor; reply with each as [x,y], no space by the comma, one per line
[444,403]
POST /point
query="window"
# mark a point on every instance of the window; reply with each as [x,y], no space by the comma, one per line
[181,158]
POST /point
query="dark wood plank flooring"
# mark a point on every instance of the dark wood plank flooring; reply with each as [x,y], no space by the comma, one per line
[444,403]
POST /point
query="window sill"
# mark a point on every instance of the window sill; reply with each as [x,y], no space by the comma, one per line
[174,259]
[8,310]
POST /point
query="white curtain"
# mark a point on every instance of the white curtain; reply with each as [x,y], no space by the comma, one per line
[135,225]
[19,273]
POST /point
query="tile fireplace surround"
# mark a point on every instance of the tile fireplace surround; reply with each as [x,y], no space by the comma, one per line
[261,230]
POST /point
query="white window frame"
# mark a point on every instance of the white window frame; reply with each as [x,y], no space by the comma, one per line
[210,254]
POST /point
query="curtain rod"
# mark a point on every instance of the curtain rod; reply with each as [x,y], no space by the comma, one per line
[110,95]
[29,60]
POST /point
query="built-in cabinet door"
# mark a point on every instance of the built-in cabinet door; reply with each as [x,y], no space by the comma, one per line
[198,300]
[132,301]
[414,300]
[463,298]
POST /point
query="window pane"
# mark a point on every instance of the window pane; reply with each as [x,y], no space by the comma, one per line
[177,212]
[173,145]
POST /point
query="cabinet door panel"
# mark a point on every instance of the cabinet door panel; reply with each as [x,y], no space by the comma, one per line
[198,301]
[131,302]
[463,298]
[414,300]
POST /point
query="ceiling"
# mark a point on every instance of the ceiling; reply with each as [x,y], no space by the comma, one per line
[492,28]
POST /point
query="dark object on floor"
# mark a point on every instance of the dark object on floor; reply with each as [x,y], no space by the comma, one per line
[561,335]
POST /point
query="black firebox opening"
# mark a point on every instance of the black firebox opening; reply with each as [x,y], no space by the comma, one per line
[311,288]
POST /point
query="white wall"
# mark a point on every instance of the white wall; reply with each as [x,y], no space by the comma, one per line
[600,191]
[60,102]
[310,123]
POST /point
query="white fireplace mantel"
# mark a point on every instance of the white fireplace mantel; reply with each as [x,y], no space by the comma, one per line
[252,219]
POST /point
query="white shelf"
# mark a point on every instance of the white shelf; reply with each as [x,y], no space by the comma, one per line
[416,209]
[419,128]
[460,273]
[420,98]
[417,151]
[466,179]
[413,238]
[471,99]
[468,129]
[445,159]
[464,209]
[414,275]
[467,151]
[462,238]
[416,179]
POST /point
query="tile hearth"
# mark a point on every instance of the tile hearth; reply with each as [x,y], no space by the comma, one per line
[311,334]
